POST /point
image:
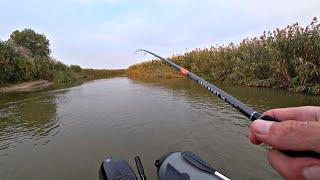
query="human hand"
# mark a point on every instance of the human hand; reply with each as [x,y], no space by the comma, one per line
[299,130]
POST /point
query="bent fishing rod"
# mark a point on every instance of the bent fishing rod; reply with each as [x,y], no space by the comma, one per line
[235,103]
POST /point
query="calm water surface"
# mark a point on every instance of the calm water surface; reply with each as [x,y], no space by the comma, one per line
[66,133]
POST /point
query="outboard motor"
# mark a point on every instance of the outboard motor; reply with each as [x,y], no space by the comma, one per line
[175,166]
[116,169]
[186,166]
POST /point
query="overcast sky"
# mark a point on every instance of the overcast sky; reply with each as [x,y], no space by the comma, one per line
[105,33]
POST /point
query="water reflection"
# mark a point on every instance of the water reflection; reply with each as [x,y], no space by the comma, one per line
[27,118]
[260,99]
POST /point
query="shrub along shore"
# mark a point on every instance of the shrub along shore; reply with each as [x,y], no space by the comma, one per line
[287,58]
[25,57]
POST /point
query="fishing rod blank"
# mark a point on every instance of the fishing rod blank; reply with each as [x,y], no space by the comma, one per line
[240,106]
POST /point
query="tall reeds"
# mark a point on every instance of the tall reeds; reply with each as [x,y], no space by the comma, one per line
[286,58]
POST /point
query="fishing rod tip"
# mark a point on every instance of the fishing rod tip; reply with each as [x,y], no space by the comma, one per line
[136,52]
[139,50]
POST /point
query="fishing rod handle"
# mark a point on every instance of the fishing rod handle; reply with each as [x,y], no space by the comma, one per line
[293,153]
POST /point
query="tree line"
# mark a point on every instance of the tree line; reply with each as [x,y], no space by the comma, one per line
[287,58]
[25,56]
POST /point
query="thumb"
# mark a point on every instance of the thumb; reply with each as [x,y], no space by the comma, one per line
[288,135]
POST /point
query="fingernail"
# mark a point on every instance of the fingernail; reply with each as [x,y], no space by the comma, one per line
[261,126]
[311,173]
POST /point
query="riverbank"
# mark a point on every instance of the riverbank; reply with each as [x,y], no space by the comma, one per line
[27,86]
[285,58]
[82,76]
[162,70]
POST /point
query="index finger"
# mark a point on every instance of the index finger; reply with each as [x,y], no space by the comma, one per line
[304,113]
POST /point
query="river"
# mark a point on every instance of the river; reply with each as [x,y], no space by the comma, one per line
[65,133]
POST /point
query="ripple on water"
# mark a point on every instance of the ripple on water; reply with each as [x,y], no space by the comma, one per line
[28,120]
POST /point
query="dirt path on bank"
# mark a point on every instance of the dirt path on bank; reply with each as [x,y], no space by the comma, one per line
[27,86]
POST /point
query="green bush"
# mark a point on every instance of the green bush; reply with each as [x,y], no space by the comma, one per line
[75,68]
[26,56]
[17,65]
[37,43]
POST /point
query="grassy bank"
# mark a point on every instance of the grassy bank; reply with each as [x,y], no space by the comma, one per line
[286,58]
[152,69]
